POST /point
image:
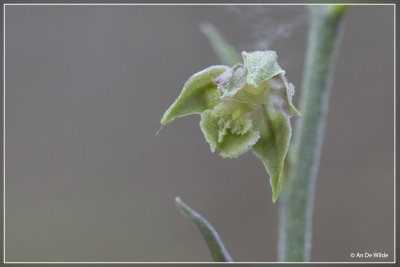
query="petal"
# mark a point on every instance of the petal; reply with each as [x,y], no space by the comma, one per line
[198,94]
[261,66]
[280,82]
[232,137]
[231,81]
[235,145]
[272,147]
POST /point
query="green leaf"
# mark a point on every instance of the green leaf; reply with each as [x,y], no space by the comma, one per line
[226,53]
[261,66]
[198,94]
[214,242]
[232,137]
[272,147]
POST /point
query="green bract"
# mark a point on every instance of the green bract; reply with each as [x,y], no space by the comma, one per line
[244,107]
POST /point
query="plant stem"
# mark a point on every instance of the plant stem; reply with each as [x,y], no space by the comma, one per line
[298,195]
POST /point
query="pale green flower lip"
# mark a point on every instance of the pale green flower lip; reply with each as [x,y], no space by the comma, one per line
[246,107]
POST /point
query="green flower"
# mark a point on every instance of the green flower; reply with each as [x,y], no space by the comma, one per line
[244,107]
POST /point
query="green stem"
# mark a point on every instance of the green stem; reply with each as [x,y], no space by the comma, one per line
[298,195]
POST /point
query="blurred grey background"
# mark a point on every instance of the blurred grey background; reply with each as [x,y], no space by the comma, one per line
[88,179]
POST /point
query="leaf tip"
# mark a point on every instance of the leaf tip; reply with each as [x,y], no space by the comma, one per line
[276,189]
[179,202]
[275,197]
[210,235]
[177,199]
[183,208]
[168,114]
[164,119]
[206,27]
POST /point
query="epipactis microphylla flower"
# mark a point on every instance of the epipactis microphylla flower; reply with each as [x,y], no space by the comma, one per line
[246,107]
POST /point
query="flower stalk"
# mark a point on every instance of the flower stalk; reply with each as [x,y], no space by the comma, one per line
[298,190]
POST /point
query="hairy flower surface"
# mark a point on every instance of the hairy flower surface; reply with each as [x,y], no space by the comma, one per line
[246,107]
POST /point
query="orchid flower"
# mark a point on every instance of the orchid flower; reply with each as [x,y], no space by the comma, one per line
[245,107]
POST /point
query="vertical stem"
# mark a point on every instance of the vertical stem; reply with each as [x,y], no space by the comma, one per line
[298,195]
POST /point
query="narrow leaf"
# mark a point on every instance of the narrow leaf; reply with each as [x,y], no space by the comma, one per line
[214,243]
[198,94]
[226,53]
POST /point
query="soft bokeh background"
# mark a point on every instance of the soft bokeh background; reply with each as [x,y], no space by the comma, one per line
[87,179]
